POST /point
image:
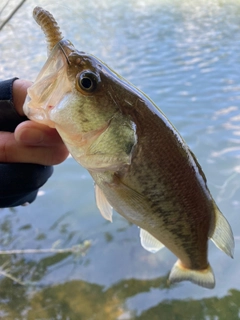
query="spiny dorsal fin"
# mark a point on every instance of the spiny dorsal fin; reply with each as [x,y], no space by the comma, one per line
[198,165]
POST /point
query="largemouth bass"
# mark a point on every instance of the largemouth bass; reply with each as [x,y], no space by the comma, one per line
[140,164]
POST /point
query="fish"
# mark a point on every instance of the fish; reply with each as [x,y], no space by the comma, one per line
[141,166]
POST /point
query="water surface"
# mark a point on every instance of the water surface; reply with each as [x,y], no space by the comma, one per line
[185,55]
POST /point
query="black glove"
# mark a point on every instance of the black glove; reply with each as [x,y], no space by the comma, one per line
[19,182]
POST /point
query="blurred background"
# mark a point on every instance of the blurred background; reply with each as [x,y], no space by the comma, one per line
[185,55]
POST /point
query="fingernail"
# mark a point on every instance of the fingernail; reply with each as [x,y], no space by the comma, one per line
[33,136]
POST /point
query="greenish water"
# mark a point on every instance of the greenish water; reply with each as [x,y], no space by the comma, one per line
[185,55]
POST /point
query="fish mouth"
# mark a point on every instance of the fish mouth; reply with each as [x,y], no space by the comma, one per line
[50,86]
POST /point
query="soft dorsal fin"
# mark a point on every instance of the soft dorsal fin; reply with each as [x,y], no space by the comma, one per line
[102,204]
[222,235]
[149,242]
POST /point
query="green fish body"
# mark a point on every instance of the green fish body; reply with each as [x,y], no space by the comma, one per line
[140,164]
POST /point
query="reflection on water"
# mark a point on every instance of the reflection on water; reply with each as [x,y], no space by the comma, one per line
[185,56]
[78,299]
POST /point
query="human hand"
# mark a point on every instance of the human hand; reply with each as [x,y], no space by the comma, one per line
[31,142]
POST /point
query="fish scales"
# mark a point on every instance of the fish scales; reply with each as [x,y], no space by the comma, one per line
[140,164]
[167,195]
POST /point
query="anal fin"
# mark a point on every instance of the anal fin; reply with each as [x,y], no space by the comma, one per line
[149,242]
[102,204]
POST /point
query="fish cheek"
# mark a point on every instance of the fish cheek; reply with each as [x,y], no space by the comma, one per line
[112,148]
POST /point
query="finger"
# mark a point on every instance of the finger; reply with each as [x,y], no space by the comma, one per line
[19,94]
[35,134]
[12,151]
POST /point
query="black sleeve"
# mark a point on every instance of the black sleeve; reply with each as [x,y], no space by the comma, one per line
[19,182]
[9,118]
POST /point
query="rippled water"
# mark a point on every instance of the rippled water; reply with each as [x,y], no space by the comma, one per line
[185,55]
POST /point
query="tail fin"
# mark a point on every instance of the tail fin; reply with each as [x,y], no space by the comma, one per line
[204,278]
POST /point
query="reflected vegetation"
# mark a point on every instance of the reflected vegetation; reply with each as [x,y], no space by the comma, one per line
[80,300]
[24,295]
[75,300]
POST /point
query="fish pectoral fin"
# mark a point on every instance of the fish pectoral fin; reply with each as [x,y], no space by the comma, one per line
[204,278]
[149,242]
[103,205]
[222,235]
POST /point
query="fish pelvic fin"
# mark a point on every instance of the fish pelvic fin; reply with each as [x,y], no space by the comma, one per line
[103,205]
[204,278]
[222,235]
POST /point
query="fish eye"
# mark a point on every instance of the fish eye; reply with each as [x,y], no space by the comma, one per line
[88,81]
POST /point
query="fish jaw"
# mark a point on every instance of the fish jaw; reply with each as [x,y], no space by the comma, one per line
[50,87]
